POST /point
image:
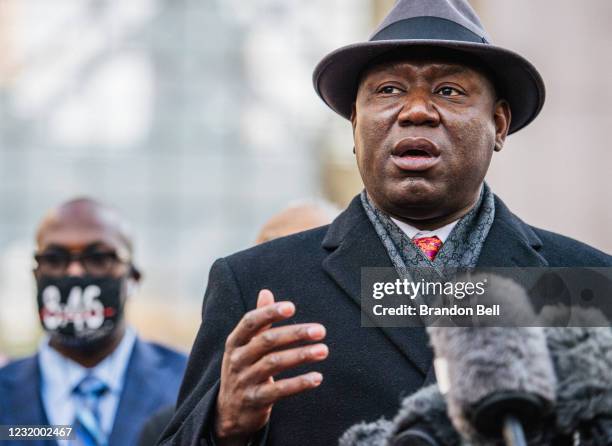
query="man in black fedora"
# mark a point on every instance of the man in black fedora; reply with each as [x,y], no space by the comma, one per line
[430,100]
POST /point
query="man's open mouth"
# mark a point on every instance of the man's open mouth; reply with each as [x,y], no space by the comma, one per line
[415,154]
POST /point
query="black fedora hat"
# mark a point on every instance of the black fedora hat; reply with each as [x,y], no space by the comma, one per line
[449,24]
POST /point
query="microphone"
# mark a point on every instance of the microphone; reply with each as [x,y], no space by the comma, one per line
[582,358]
[367,434]
[421,421]
[498,381]
[582,361]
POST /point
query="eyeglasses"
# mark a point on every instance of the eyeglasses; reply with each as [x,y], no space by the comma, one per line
[96,262]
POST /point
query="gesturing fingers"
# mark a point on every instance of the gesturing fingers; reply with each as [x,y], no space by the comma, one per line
[276,362]
[268,393]
[254,353]
[253,321]
[275,338]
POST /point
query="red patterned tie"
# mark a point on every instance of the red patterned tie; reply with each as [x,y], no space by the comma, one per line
[429,245]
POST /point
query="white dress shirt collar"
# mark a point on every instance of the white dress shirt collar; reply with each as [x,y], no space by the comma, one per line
[413,232]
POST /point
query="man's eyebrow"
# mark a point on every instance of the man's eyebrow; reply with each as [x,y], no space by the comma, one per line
[436,70]
[97,245]
[54,247]
[89,247]
[447,70]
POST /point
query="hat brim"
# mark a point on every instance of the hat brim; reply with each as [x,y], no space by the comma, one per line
[335,78]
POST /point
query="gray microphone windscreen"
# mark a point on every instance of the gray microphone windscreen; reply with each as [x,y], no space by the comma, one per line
[478,366]
[367,434]
[583,362]
[422,416]
[425,411]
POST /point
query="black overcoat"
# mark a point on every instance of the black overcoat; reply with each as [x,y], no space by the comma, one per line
[368,370]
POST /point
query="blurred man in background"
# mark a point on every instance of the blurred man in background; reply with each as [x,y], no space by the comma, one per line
[297,217]
[91,370]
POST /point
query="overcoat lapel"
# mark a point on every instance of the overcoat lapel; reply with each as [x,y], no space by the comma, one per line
[354,244]
[511,242]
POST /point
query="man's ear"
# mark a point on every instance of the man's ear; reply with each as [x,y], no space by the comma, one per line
[135,273]
[133,281]
[353,117]
[502,117]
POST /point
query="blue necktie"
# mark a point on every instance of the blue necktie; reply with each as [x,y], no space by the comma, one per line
[87,420]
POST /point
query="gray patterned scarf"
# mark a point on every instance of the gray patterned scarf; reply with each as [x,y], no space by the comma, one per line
[460,250]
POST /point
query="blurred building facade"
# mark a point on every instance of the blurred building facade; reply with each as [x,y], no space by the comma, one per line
[197,119]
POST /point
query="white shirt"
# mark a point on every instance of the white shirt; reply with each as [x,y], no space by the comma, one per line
[413,232]
[60,375]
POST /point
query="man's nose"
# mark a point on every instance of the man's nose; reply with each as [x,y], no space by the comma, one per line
[418,109]
[75,268]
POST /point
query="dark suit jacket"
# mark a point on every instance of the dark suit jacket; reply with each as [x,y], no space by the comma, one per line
[153,376]
[368,370]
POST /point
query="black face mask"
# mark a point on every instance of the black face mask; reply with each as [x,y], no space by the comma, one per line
[80,311]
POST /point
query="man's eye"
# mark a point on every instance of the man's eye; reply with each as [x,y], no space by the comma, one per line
[449,91]
[389,89]
[99,258]
[53,259]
